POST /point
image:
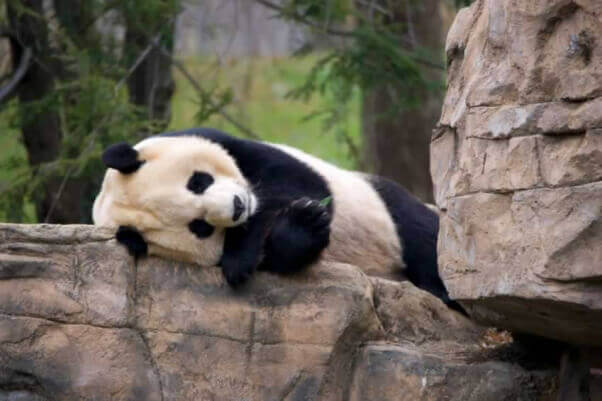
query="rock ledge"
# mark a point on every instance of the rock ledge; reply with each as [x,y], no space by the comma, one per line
[79,320]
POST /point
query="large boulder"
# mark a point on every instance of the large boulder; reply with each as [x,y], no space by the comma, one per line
[517,166]
[81,320]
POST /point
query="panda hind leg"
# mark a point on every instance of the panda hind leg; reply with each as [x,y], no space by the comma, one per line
[297,236]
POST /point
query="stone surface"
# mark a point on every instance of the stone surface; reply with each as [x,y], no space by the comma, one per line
[410,315]
[58,273]
[399,373]
[553,118]
[331,333]
[517,166]
[56,361]
[277,336]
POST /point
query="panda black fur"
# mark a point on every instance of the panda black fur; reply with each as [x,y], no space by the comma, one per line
[309,208]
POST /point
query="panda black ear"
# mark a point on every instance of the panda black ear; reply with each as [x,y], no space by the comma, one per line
[122,157]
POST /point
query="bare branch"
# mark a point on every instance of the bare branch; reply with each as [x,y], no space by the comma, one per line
[374,6]
[138,61]
[410,24]
[306,21]
[7,91]
[247,131]
[349,34]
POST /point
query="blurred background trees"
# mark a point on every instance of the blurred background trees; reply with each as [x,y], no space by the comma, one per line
[357,82]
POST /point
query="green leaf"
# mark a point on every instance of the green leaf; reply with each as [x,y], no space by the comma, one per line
[326,201]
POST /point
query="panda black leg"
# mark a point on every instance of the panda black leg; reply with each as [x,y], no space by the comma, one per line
[132,240]
[243,250]
[297,237]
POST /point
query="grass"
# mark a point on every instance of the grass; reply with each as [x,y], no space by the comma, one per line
[259,89]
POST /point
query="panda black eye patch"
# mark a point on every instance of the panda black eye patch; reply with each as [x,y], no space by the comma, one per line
[199,182]
[201,228]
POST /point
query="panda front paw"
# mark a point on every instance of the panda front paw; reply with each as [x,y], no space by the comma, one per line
[314,218]
[298,236]
[132,240]
[237,273]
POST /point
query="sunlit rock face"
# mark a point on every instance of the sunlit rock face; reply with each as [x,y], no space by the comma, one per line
[517,166]
[81,320]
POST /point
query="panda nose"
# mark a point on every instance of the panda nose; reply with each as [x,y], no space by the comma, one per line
[239,207]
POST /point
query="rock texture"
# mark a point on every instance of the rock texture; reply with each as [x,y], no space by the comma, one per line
[80,320]
[517,166]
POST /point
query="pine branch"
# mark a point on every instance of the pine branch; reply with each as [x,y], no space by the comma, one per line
[8,90]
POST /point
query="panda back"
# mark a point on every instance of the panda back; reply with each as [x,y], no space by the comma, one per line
[363,232]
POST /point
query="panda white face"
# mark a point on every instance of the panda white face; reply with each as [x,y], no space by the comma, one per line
[170,182]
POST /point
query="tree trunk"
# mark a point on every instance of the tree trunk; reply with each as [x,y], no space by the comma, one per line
[151,85]
[40,129]
[396,143]
[41,133]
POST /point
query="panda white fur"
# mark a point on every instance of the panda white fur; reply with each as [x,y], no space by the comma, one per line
[205,197]
[163,200]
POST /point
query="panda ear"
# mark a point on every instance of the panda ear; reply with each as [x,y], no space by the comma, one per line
[122,157]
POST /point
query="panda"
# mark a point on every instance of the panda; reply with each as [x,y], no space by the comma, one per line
[206,197]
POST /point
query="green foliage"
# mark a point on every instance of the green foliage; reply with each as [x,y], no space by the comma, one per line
[15,174]
[322,90]
[93,115]
[374,52]
[148,14]
[89,97]
[326,201]
[211,102]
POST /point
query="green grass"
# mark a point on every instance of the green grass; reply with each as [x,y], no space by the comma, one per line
[260,103]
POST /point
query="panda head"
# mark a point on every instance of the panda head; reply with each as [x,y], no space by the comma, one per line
[173,188]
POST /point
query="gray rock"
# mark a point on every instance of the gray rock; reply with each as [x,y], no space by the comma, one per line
[183,334]
[60,273]
[52,361]
[528,251]
[517,167]
[400,373]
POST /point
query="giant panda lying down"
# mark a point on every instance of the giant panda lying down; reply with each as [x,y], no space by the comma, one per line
[205,197]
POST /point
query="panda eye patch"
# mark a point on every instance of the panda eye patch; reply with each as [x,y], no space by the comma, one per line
[199,182]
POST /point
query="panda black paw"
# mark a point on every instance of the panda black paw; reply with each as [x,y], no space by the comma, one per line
[132,240]
[298,236]
[308,212]
[237,273]
[314,218]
